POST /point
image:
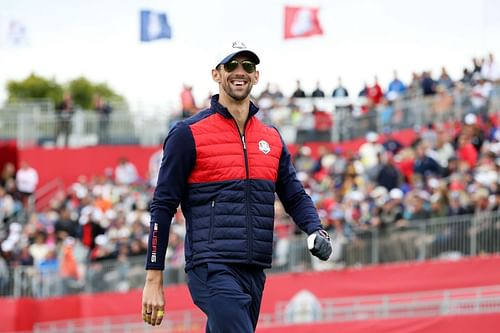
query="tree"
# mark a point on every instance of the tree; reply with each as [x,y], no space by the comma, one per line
[81,89]
[34,87]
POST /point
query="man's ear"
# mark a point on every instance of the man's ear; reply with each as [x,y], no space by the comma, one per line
[216,75]
[256,78]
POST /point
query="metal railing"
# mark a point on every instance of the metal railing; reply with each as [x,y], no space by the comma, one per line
[405,305]
[449,237]
[84,128]
[37,124]
[464,301]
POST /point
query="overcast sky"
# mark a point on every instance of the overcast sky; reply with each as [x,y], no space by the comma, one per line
[362,38]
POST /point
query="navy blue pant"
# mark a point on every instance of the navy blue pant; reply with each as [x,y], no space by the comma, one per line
[228,294]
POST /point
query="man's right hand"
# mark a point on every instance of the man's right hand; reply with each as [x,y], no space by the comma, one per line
[153,300]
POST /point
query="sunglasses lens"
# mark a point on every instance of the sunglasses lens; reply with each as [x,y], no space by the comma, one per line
[248,66]
[231,66]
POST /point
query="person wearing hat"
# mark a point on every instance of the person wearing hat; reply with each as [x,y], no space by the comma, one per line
[224,166]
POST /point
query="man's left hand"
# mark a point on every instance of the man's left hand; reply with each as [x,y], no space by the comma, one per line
[319,244]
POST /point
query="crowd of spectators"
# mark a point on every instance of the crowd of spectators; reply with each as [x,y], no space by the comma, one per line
[451,169]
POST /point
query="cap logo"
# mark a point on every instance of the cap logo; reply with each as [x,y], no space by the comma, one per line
[264,147]
[239,45]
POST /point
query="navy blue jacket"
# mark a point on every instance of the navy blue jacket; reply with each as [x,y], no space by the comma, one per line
[226,184]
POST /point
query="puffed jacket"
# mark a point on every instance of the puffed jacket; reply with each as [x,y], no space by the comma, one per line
[225,183]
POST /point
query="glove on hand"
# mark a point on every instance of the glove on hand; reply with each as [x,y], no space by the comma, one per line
[319,244]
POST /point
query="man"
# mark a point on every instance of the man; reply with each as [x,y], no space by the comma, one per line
[224,166]
[103,110]
[26,183]
[64,118]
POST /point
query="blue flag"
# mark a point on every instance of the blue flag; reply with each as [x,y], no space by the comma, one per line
[154,25]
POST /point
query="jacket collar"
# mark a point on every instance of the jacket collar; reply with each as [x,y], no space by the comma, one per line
[222,110]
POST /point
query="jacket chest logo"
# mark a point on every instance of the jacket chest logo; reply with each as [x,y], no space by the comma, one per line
[264,147]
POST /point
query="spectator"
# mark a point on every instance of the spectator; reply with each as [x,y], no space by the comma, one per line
[303,160]
[480,96]
[396,86]
[340,91]
[65,225]
[318,92]
[103,111]
[266,93]
[427,84]
[415,86]
[64,117]
[69,267]
[322,124]
[6,205]
[466,151]
[444,149]
[125,172]
[442,105]
[39,249]
[445,80]
[391,144]
[491,70]
[386,112]
[370,149]
[8,174]
[425,165]
[298,93]
[429,135]
[472,130]
[26,183]
[477,65]
[466,77]
[455,204]
[364,91]
[375,93]
[188,102]
[389,176]
[416,209]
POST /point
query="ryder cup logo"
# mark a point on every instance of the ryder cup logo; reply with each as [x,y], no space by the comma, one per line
[264,147]
[239,45]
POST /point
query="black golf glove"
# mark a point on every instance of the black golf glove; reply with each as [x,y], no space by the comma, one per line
[319,244]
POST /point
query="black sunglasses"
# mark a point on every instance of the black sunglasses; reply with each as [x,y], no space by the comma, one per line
[248,66]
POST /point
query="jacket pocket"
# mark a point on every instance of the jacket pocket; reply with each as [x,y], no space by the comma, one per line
[212,222]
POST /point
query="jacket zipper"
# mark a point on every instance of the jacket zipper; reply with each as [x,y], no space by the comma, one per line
[212,222]
[247,200]
[247,193]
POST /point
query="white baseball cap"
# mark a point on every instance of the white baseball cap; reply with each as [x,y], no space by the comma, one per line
[234,49]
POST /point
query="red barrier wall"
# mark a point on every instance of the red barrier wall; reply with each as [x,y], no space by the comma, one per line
[485,323]
[69,163]
[382,279]
[8,153]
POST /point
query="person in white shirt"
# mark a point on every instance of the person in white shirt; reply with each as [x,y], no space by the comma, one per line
[125,172]
[491,70]
[370,150]
[26,182]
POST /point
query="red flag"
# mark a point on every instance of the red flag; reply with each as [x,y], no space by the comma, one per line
[301,22]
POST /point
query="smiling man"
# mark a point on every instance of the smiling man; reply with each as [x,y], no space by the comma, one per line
[224,167]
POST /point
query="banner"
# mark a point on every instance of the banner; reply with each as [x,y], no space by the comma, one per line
[154,25]
[302,22]
[13,32]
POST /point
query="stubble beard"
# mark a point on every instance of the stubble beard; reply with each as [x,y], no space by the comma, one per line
[237,96]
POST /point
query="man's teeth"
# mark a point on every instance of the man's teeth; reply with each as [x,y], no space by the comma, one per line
[238,82]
